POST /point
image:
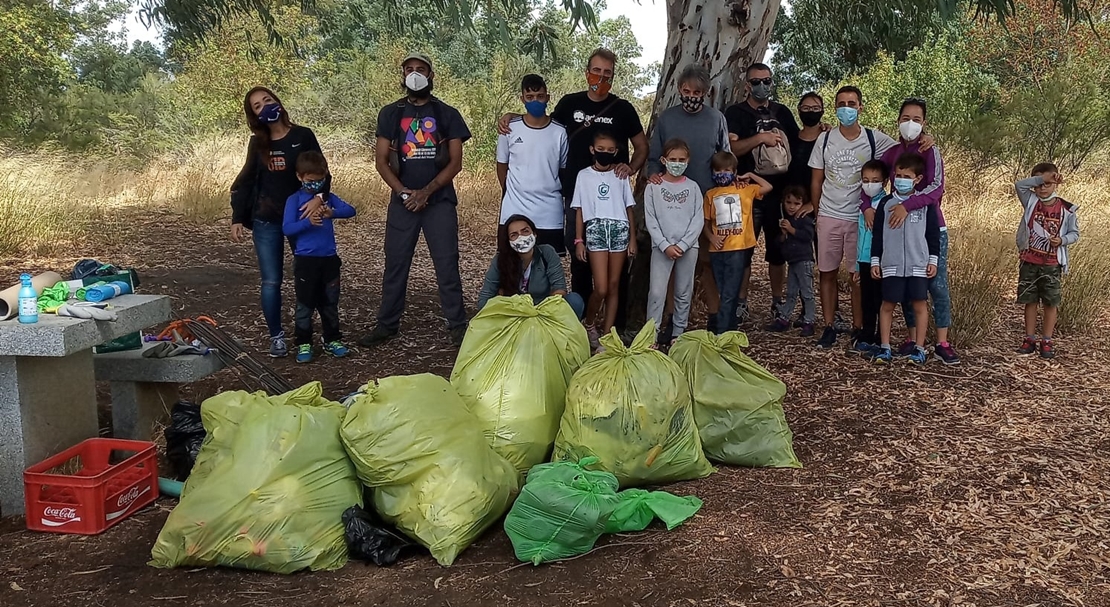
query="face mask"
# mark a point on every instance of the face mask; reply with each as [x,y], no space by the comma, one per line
[910,130]
[761,92]
[523,244]
[313,187]
[872,189]
[811,118]
[692,104]
[903,185]
[599,84]
[605,158]
[270,113]
[847,115]
[418,84]
[536,109]
[676,169]
[1047,198]
[724,178]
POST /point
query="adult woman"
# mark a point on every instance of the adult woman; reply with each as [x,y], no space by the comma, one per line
[522,267]
[259,193]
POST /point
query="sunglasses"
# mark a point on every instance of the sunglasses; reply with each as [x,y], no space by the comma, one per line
[757,81]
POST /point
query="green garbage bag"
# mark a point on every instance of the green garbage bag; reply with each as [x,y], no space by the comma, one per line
[434,476]
[637,508]
[737,403]
[268,489]
[562,510]
[513,370]
[631,408]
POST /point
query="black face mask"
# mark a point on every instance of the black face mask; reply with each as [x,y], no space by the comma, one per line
[811,118]
[605,158]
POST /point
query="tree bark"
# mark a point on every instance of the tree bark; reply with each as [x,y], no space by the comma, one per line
[725,36]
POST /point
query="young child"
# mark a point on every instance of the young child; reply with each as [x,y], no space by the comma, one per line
[904,258]
[797,249]
[315,261]
[873,177]
[606,232]
[729,229]
[674,219]
[1048,227]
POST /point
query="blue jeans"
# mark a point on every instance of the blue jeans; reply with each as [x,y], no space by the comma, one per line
[728,272]
[938,290]
[269,246]
[577,304]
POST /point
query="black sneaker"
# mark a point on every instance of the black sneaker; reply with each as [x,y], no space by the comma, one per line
[841,325]
[377,337]
[905,350]
[946,354]
[799,322]
[807,330]
[457,335]
[711,324]
[828,339]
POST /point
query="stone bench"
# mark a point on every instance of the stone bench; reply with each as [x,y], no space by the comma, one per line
[145,389]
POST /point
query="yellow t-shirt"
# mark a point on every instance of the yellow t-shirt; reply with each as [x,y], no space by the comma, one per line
[728,211]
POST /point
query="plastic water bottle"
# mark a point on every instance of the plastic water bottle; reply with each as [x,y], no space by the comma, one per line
[28,301]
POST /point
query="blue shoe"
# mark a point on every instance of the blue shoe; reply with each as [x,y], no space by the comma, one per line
[863,348]
[278,348]
[918,357]
[882,356]
[336,349]
[304,353]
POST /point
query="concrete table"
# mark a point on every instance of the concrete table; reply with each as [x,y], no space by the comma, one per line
[47,385]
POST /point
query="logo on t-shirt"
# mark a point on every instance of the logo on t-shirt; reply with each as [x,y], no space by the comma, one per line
[277,160]
[518,140]
[729,212]
[679,197]
[603,191]
[421,138]
[580,116]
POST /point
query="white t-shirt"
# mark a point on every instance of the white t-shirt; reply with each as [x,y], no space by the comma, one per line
[842,161]
[532,187]
[602,195]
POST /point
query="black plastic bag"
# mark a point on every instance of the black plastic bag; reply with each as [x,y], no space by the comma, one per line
[184,436]
[370,539]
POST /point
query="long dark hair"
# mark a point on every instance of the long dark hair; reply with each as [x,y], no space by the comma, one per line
[262,131]
[509,264]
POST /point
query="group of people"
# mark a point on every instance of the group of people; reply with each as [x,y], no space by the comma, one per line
[830,196]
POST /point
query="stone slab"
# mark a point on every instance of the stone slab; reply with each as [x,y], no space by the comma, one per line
[138,407]
[60,336]
[131,366]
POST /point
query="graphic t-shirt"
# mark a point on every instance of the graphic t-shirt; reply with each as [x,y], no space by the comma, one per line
[602,195]
[269,178]
[532,188]
[728,211]
[1044,224]
[577,109]
[420,135]
[843,159]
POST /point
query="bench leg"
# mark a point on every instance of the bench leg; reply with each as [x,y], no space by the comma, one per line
[136,406]
[47,405]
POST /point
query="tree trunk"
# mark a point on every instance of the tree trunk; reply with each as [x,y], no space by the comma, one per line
[725,37]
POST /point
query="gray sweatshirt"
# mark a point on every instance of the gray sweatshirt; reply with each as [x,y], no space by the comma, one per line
[1069,224]
[706,132]
[673,214]
[907,251]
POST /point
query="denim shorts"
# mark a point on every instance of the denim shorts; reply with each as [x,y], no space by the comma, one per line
[607,235]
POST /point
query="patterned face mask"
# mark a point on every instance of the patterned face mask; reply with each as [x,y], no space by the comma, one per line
[692,104]
[313,187]
[724,178]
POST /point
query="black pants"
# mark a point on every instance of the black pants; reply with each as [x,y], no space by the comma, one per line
[316,282]
[582,276]
[871,296]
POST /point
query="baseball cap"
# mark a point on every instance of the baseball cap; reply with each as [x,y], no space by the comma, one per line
[418,56]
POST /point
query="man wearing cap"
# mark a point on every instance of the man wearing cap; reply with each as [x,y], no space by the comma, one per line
[418,154]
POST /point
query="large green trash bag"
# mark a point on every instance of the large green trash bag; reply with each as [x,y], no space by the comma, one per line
[637,508]
[737,403]
[562,510]
[630,407]
[434,476]
[268,489]
[513,370]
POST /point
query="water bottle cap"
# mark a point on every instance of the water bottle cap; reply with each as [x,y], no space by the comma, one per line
[25,277]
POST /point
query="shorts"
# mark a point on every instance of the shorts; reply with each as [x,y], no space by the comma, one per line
[765,218]
[898,289]
[837,240]
[1039,284]
[552,237]
[607,235]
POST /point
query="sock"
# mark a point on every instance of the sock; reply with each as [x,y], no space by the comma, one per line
[920,349]
[886,346]
[943,344]
[1047,339]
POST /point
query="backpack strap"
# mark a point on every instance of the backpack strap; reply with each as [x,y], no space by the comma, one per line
[588,123]
[871,141]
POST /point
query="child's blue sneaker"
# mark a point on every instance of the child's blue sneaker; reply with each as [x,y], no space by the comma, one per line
[336,349]
[304,353]
[882,356]
[863,348]
[918,356]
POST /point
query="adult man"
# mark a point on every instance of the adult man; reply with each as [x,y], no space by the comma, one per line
[419,152]
[837,159]
[759,121]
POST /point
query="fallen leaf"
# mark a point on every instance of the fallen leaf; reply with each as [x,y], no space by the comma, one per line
[15,587]
[436,583]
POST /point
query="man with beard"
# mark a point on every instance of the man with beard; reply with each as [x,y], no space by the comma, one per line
[419,153]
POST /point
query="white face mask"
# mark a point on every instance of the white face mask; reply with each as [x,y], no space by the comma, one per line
[910,130]
[416,81]
[872,189]
[523,244]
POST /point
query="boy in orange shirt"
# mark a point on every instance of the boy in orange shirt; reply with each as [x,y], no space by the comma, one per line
[729,229]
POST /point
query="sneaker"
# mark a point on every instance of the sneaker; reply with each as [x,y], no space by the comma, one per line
[854,336]
[778,325]
[882,356]
[377,337]
[863,348]
[807,330]
[776,306]
[278,347]
[828,339]
[946,354]
[919,356]
[742,312]
[336,349]
[905,350]
[594,337]
[304,353]
[841,325]
[799,322]
[457,335]
[1028,346]
[1047,351]
[711,324]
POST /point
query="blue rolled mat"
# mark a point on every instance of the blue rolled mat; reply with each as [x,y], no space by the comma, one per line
[105,292]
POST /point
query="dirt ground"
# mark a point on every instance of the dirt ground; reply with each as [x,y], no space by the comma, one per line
[985,484]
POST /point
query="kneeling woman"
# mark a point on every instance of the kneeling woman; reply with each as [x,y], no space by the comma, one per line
[522,267]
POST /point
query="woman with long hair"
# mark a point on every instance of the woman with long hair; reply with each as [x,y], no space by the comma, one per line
[258,196]
[522,266]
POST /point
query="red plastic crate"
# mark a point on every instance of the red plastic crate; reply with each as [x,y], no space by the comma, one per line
[99,495]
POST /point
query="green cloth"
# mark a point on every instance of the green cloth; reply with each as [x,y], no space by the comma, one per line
[53,297]
[637,508]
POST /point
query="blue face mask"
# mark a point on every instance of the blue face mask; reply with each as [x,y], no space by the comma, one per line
[724,178]
[270,113]
[536,109]
[313,187]
[903,185]
[847,115]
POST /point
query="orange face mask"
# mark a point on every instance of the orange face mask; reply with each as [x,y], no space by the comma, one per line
[599,84]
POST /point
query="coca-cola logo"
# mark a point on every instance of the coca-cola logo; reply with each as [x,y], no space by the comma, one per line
[125,499]
[60,513]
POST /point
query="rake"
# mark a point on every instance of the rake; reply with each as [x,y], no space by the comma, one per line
[233,357]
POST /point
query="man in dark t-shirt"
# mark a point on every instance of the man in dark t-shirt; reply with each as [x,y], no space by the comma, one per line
[419,152]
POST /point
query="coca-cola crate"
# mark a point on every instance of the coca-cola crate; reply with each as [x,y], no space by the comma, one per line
[112,479]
